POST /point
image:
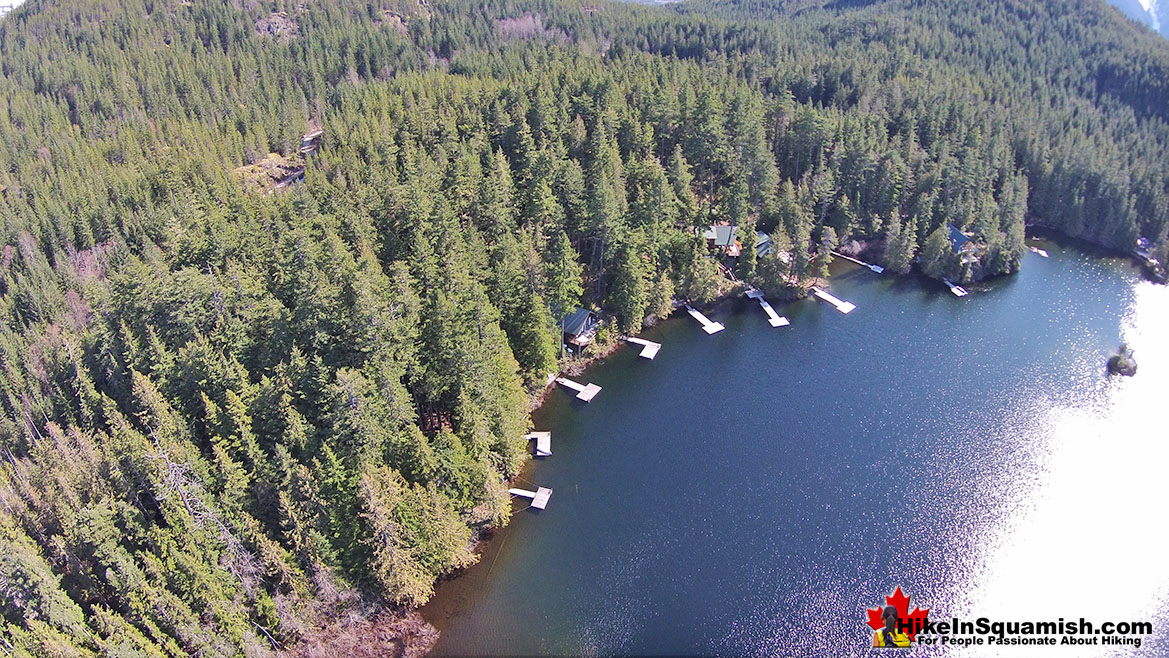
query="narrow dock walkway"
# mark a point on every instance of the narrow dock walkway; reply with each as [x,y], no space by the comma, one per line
[539,497]
[543,443]
[876,268]
[958,291]
[773,318]
[707,326]
[840,304]
[584,392]
[649,348]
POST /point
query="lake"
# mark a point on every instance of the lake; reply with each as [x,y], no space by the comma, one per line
[754,491]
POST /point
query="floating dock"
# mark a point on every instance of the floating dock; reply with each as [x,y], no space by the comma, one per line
[773,318]
[584,392]
[1039,251]
[707,326]
[958,291]
[840,304]
[876,268]
[539,497]
[543,443]
[649,348]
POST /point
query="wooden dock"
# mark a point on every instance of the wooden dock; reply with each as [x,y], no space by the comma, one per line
[773,318]
[707,326]
[958,291]
[649,349]
[584,392]
[543,443]
[840,304]
[539,497]
[876,268]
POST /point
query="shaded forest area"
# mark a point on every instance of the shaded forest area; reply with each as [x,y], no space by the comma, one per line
[232,413]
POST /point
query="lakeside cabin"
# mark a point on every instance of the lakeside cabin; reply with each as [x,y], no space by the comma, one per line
[580,327]
[724,238]
[763,244]
[963,244]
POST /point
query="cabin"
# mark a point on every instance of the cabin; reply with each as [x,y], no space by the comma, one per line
[580,327]
[721,237]
[963,244]
[764,245]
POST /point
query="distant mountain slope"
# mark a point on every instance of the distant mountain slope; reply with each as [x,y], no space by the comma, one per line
[1151,16]
[1135,10]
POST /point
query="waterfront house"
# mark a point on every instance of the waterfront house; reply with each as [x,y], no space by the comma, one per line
[724,238]
[763,244]
[963,244]
[580,327]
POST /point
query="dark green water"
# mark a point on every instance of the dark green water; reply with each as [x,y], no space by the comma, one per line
[752,492]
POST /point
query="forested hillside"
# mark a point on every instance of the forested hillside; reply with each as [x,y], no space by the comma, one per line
[233,410]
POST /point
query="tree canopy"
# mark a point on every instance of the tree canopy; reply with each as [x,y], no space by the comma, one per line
[234,403]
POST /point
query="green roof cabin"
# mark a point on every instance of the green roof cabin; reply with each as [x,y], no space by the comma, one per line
[580,326]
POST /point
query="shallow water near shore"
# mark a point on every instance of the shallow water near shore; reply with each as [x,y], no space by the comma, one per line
[752,492]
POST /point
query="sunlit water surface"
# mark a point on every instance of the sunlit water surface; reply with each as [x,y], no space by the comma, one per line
[752,492]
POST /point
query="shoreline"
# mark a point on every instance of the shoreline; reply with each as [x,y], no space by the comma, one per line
[578,365]
[420,635]
[466,609]
[483,536]
[389,633]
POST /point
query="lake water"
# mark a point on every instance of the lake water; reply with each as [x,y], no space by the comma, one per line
[752,492]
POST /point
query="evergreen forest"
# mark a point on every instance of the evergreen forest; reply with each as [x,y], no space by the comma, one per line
[251,381]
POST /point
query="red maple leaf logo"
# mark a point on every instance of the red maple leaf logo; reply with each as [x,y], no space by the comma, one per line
[900,601]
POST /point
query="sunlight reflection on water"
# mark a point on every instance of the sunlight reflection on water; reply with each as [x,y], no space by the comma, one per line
[1092,543]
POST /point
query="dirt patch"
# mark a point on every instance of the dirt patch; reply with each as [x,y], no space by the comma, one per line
[270,173]
[526,27]
[521,27]
[388,635]
[397,14]
[279,26]
[394,22]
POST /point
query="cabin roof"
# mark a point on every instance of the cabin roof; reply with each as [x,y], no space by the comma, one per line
[578,322]
[958,239]
[763,244]
[721,234]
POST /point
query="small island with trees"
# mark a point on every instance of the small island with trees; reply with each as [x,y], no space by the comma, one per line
[1122,363]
